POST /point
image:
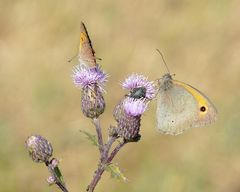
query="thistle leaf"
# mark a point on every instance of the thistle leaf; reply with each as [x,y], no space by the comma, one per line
[92,138]
[115,172]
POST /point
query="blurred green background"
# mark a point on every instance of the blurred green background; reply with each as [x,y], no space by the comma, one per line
[201,44]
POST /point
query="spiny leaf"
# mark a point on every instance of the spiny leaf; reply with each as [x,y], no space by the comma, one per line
[90,137]
[115,172]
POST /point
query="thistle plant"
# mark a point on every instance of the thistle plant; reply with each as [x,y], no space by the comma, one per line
[127,113]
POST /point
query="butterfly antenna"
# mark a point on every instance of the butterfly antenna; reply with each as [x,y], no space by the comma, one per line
[70,60]
[163,60]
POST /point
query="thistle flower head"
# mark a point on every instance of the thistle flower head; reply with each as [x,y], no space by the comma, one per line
[129,110]
[139,86]
[84,76]
[39,148]
[91,80]
[128,116]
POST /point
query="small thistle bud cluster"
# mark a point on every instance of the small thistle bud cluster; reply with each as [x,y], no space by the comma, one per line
[129,110]
[39,148]
[91,80]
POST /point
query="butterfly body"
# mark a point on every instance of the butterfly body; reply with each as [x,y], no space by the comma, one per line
[181,106]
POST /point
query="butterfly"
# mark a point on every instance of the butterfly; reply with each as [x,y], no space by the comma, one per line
[181,106]
[86,52]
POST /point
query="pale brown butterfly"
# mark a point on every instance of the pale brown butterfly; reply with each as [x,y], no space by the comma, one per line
[181,106]
[86,51]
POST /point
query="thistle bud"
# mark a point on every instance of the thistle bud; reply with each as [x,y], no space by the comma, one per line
[39,148]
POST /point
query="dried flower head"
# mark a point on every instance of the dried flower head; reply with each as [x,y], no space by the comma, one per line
[39,148]
[139,86]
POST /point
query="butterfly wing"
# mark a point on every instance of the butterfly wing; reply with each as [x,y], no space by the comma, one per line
[182,107]
[86,52]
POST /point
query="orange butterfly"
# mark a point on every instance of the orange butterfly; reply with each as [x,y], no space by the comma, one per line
[86,52]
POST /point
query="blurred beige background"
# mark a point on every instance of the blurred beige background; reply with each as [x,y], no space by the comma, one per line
[201,44]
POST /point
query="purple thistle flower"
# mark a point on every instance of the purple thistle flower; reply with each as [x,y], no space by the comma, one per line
[91,80]
[84,76]
[134,107]
[128,116]
[139,81]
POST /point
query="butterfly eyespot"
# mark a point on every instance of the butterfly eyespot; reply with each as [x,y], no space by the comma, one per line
[203,109]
